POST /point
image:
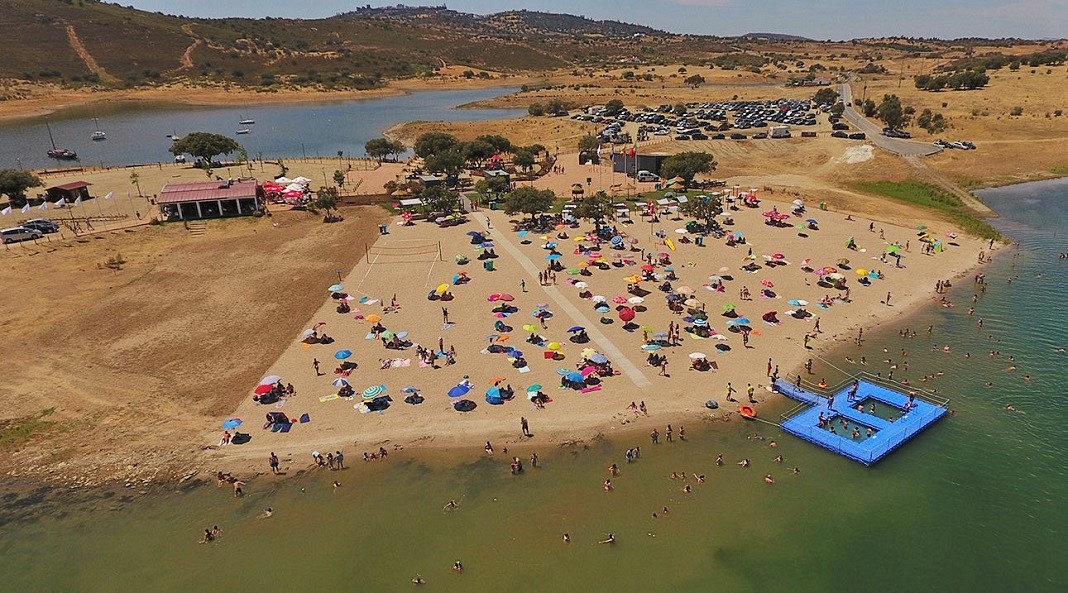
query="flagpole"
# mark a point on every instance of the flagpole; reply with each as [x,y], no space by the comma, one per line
[100,211]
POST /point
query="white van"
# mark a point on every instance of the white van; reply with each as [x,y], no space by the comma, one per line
[647,176]
[19,233]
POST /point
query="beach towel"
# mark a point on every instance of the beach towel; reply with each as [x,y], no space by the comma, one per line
[591,388]
[305,346]
[447,326]
[281,402]
[524,369]
[369,336]
[327,398]
[305,418]
[397,363]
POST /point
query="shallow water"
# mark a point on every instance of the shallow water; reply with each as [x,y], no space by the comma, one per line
[974,504]
[137,132]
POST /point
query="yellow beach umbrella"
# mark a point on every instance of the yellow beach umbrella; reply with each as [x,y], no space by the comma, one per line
[441,288]
[554,346]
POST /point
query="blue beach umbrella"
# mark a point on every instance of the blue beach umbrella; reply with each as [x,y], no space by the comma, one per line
[410,389]
[523,233]
[493,392]
[552,256]
[474,234]
[575,328]
[598,359]
[574,376]
[459,390]
[342,354]
[335,288]
[339,382]
[232,423]
[651,347]
[700,322]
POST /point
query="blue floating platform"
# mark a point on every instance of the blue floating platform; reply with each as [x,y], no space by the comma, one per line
[866,428]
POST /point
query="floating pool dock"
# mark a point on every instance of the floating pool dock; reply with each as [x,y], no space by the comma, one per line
[865,428]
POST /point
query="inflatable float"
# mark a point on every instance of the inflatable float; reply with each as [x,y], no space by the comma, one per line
[747,412]
[670,244]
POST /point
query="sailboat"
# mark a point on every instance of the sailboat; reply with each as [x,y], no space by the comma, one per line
[244,131]
[248,121]
[62,154]
[98,134]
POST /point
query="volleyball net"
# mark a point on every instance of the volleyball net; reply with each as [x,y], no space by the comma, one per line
[413,251]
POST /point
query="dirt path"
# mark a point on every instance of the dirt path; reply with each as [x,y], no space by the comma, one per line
[90,61]
[933,177]
[187,55]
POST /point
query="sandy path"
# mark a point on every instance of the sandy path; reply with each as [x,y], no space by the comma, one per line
[609,348]
[90,62]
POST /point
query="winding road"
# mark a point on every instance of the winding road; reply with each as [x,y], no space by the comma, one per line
[874,132]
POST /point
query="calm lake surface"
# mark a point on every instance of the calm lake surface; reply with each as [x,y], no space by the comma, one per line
[137,132]
[975,504]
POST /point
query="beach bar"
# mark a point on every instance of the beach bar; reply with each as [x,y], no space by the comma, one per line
[864,426]
[210,199]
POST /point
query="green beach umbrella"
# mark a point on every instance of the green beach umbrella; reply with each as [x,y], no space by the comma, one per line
[533,388]
[374,391]
[387,334]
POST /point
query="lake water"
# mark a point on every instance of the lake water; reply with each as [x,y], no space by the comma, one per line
[974,504]
[137,132]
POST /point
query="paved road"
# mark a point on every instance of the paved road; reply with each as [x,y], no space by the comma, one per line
[874,132]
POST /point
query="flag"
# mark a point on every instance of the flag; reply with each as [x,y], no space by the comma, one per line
[26,208]
[78,201]
[43,206]
[6,211]
[61,202]
[109,195]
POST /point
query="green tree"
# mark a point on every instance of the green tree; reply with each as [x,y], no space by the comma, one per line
[838,108]
[892,113]
[15,182]
[499,143]
[135,178]
[339,178]
[536,109]
[869,108]
[524,158]
[589,143]
[825,96]
[433,143]
[687,165]
[450,161]
[695,80]
[554,106]
[614,106]
[596,208]
[325,199]
[528,200]
[440,199]
[703,208]
[204,146]
[379,148]
[679,109]
[477,151]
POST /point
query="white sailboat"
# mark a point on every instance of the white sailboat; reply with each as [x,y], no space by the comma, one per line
[98,134]
[244,131]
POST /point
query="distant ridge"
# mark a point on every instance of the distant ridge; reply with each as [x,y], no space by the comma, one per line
[775,37]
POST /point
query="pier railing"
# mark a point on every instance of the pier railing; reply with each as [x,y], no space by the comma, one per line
[880,381]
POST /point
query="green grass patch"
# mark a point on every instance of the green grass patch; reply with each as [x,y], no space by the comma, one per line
[20,430]
[1061,169]
[934,198]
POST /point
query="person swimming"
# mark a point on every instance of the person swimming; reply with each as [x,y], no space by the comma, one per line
[744,463]
[266,513]
[609,539]
[451,505]
[458,566]
[768,479]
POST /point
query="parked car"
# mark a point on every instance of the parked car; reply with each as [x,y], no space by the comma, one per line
[42,224]
[839,134]
[737,136]
[943,144]
[646,176]
[857,136]
[717,137]
[19,233]
[892,133]
[760,136]
[840,126]
[698,136]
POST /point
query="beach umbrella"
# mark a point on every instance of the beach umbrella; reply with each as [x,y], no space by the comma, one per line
[587,352]
[573,271]
[574,376]
[535,387]
[660,335]
[530,327]
[742,321]
[598,298]
[339,382]
[673,297]
[636,300]
[402,335]
[619,300]
[798,203]
[598,359]
[507,297]
[373,391]
[892,248]
[474,234]
[270,380]
[262,389]
[553,256]
[719,337]
[632,278]
[650,347]
[728,308]
[373,318]
[697,355]
[922,227]
[335,288]
[692,303]
[459,390]
[387,334]
[797,302]
[843,262]
[812,221]
[767,283]
[441,288]
[602,309]
[486,244]
[836,276]
[700,322]
[581,285]
[778,256]
[307,333]
[410,389]
[647,268]
[232,423]
[575,328]
[493,391]
[342,354]
[554,346]
[862,272]
[626,314]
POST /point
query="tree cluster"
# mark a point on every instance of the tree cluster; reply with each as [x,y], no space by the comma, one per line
[932,122]
[892,113]
[528,200]
[204,146]
[825,96]
[687,165]
[961,80]
[380,148]
[14,183]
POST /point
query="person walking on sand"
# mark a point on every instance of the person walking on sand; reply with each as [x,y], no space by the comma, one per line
[237,488]
[444,315]
[816,327]
[749,391]
[523,284]
[339,459]
[641,407]
[525,426]
[273,461]
[769,367]
[730,391]
[663,367]
[315,365]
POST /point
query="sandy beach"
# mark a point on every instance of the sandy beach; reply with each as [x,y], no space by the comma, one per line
[678,397]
